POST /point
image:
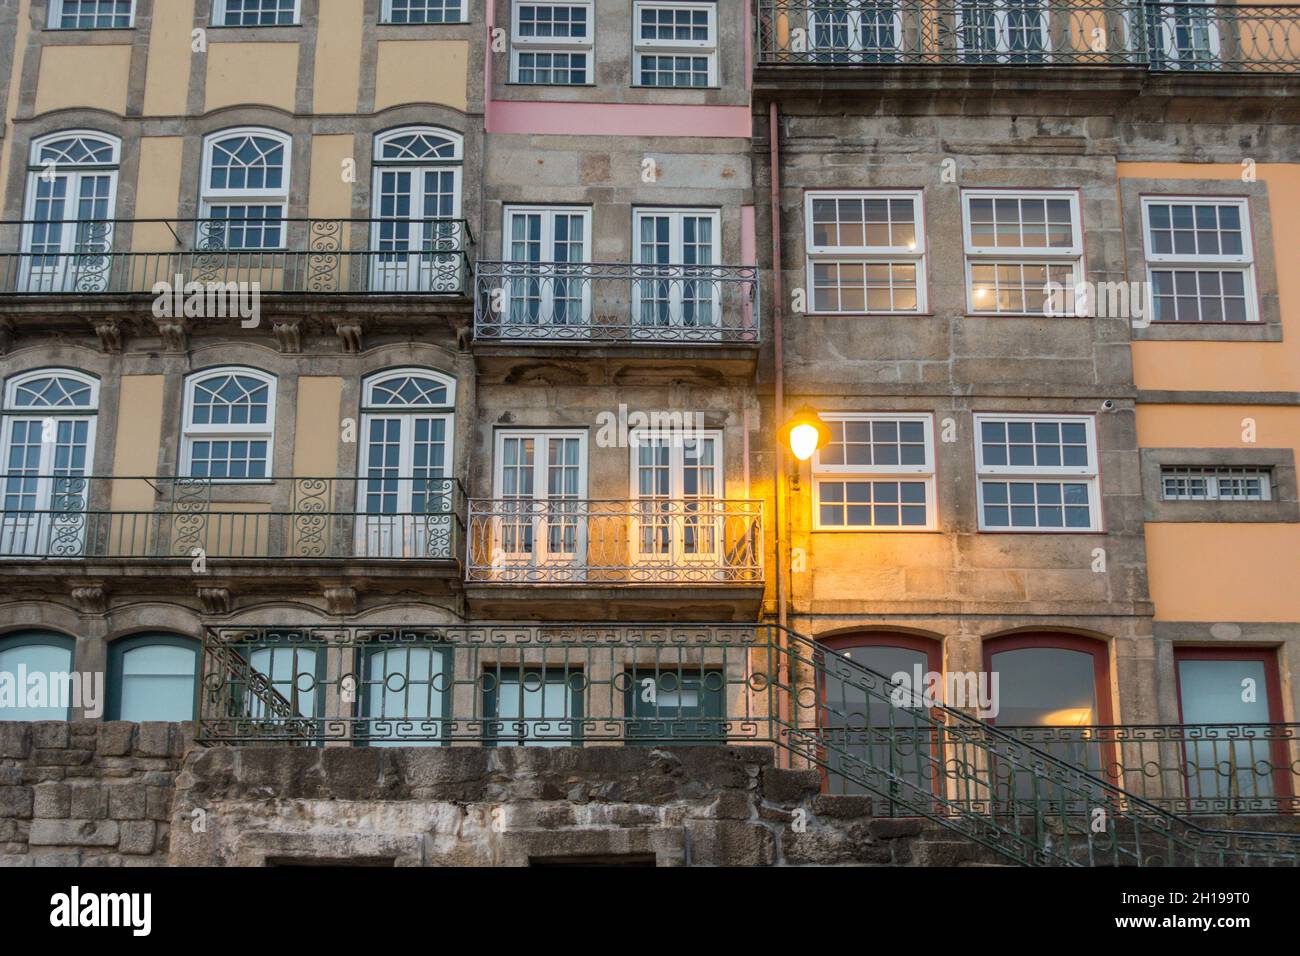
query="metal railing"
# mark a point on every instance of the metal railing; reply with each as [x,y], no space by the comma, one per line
[615,302]
[1164,37]
[494,685]
[638,541]
[277,256]
[60,517]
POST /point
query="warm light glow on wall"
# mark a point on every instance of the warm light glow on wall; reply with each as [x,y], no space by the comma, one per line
[804,433]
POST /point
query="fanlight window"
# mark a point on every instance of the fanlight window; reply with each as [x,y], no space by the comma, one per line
[230,400]
[246,190]
[77,150]
[416,145]
[409,390]
[229,425]
[247,162]
[53,391]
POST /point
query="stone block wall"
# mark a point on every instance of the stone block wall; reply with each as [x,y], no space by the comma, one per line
[88,793]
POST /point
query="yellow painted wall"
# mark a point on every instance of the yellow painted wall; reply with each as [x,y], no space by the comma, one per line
[157,192]
[167,78]
[338,56]
[262,73]
[316,431]
[83,76]
[135,456]
[1224,572]
[421,71]
[331,195]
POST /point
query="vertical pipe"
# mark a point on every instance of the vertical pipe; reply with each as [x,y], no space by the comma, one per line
[786,704]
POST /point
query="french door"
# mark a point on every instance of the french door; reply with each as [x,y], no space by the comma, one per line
[1184,36]
[678,522]
[414,239]
[68,234]
[403,502]
[44,492]
[854,31]
[1003,31]
[540,528]
[548,251]
[686,301]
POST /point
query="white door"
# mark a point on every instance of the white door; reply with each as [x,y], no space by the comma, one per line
[540,528]
[68,236]
[404,505]
[549,286]
[678,516]
[44,491]
[414,241]
[687,301]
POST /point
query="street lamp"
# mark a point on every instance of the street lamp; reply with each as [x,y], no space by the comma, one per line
[804,433]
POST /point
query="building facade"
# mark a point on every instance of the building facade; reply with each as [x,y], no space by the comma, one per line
[383,372]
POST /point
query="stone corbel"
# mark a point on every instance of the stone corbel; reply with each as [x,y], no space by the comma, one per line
[91,598]
[288,334]
[175,334]
[349,334]
[341,601]
[109,330]
[6,335]
[215,600]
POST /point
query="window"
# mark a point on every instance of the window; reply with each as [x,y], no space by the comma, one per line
[676,44]
[1179,483]
[541,489]
[254,13]
[245,189]
[47,440]
[866,251]
[551,43]
[877,473]
[855,31]
[674,702]
[405,489]
[407,693]
[416,235]
[46,657]
[552,290]
[294,667]
[1037,473]
[677,485]
[91,14]
[1020,248]
[686,243]
[1004,31]
[423,11]
[1199,259]
[67,235]
[152,677]
[533,706]
[229,425]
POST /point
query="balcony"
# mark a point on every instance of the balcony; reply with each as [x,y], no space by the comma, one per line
[326,257]
[591,303]
[1019,34]
[700,541]
[54,519]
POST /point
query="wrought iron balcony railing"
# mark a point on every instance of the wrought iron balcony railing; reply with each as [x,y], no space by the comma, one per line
[1163,37]
[642,541]
[615,302]
[493,685]
[60,517]
[276,256]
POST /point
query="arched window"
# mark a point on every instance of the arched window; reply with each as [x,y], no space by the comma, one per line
[407,692]
[245,189]
[152,677]
[416,235]
[866,734]
[47,441]
[34,670]
[229,425]
[68,218]
[405,494]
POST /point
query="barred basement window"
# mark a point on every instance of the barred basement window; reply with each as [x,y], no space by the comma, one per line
[877,473]
[423,11]
[866,251]
[1199,259]
[254,13]
[551,43]
[91,14]
[1179,483]
[1037,473]
[1018,243]
[676,44]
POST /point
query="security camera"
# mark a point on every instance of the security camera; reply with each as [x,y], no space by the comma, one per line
[1108,406]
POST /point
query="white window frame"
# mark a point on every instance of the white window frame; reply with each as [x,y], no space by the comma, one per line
[585,46]
[642,47]
[54,22]
[1214,475]
[676,215]
[677,520]
[191,432]
[548,214]
[418,269]
[1176,262]
[1035,255]
[386,15]
[914,255]
[541,556]
[1075,474]
[925,472]
[1000,11]
[824,21]
[225,196]
[219,14]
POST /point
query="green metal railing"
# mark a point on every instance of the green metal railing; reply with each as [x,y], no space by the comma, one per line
[571,685]
[1161,37]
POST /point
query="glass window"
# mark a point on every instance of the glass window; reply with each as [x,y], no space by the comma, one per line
[677,704]
[866,251]
[407,694]
[245,190]
[254,13]
[684,242]
[675,44]
[152,677]
[91,14]
[229,425]
[1022,248]
[1199,259]
[542,244]
[876,472]
[1037,474]
[533,706]
[294,668]
[1222,483]
[423,11]
[551,43]
[35,667]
